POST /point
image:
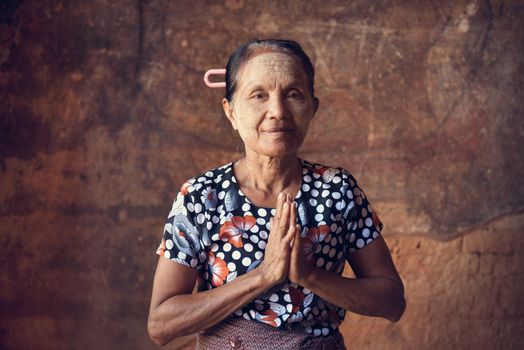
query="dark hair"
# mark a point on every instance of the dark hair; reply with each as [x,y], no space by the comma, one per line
[243,53]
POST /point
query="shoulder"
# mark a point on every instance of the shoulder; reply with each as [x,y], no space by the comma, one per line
[327,175]
[201,191]
[206,181]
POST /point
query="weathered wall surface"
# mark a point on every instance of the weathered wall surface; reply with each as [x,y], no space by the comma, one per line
[462,294]
[103,114]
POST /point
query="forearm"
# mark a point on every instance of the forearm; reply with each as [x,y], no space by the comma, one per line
[369,296]
[189,313]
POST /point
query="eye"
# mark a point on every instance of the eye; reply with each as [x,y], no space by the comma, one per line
[257,95]
[294,94]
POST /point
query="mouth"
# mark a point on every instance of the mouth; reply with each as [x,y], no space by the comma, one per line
[278,130]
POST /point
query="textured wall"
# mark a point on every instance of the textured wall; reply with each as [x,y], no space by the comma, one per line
[462,294]
[103,114]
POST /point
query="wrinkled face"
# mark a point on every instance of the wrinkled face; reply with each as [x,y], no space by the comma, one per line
[272,106]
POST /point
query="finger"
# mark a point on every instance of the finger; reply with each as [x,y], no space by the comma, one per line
[293,214]
[297,241]
[275,220]
[283,222]
[292,220]
[280,202]
[298,236]
[290,234]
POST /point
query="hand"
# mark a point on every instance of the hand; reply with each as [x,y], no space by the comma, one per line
[299,267]
[275,267]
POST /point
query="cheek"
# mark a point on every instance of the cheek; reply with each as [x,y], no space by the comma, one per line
[303,115]
[247,129]
[301,109]
[303,129]
[248,119]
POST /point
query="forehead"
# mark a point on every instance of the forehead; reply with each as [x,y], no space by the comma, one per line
[267,67]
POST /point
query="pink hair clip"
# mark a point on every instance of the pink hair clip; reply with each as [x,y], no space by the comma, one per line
[210,72]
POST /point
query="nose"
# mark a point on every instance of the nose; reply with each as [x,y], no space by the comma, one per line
[277,107]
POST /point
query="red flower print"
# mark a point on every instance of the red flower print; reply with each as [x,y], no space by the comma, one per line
[327,173]
[162,248]
[218,269]
[268,317]
[185,188]
[234,229]
[318,234]
[315,235]
[297,297]
[320,171]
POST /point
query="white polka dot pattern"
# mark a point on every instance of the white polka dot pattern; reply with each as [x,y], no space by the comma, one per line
[216,229]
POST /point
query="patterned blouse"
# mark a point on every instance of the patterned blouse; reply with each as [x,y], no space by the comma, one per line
[216,229]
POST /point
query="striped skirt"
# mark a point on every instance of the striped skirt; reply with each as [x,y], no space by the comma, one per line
[241,334]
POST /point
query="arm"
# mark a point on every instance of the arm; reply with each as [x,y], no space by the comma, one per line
[377,290]
[175,311]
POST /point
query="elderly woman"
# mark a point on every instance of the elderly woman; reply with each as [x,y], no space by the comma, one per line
[267,236]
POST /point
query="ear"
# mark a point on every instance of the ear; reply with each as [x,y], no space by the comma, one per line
[228,110]
[316,103]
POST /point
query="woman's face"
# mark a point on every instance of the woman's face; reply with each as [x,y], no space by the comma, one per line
[272,106]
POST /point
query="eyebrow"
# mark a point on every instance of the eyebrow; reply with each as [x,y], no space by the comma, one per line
[257,86]
[254,87]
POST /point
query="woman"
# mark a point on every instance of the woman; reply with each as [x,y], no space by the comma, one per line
[267,236]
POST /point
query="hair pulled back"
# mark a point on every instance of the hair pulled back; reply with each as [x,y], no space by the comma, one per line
[243,53]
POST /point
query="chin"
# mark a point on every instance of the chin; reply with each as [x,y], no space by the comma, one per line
[274,148]
[279,151]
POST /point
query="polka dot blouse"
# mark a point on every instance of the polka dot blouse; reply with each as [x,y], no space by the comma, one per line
[216,229]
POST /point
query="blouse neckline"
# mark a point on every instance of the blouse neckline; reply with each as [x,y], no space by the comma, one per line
[246,198]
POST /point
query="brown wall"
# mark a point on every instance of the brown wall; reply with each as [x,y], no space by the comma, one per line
[103,114]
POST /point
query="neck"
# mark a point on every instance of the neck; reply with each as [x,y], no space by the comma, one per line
[269,174]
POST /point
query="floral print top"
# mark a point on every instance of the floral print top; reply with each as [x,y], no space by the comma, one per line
[216,229]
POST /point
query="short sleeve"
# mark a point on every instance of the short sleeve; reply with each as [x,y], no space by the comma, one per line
[361,221]
[181,239]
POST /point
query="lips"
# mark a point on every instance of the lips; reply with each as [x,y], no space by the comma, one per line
[278,129]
